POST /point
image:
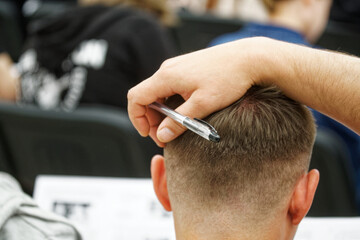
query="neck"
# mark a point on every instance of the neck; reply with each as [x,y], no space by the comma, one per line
[287,22]
[289,16]
[217,228]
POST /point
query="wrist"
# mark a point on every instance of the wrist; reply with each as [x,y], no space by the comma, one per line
[275,65]
[264,59]
[281,64]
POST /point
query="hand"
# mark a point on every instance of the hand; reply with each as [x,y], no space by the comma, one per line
[212,79]
[208,80]
[8,82]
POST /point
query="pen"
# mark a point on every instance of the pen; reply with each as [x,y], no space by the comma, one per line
[198,126]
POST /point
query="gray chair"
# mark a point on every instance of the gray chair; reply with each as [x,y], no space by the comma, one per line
[88,142]
[343,37]
[335,195]
[5,165]
[195,32]
[40,9]
[11,37]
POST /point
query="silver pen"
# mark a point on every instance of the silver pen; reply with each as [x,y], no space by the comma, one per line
[198,126]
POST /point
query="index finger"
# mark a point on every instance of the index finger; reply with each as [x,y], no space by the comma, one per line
[142,95]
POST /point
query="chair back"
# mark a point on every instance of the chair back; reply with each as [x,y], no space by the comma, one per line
[195,32]
[86,142]
[335,195]
[343,37]
[11,37]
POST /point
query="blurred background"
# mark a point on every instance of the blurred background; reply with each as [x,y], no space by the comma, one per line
[66,66]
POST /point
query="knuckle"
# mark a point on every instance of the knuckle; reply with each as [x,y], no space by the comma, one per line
[198,105]
[131,94]
[167,64]
[167,67]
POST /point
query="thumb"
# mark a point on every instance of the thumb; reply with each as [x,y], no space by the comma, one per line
[169,130]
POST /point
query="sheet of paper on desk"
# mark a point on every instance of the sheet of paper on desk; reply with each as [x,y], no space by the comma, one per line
[127,209]
[329,229]
[107,208]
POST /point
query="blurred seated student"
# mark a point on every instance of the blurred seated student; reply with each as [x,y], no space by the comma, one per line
[91,54]
[8,82]
[253,184]
[243,9]
[300,22]
[194,6]
[21,218]
[295,21]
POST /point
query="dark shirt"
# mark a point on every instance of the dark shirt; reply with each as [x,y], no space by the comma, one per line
[346,11]
[91,55]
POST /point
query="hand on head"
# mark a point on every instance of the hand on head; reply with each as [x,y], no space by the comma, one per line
[208,81]
[212,79]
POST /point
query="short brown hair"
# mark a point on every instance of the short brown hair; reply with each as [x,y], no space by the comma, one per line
[266,144]
[159,8]
[270,4]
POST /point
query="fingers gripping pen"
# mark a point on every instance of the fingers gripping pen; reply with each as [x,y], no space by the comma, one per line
[198,126]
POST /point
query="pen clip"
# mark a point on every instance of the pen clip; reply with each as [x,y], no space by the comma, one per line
[205,123]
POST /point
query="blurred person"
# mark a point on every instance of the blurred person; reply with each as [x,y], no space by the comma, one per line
[91,54]
[253,184]
[244,9]
[300,22]
[295,21]
[248,10]
[21,218]
[195,6]
[8,81]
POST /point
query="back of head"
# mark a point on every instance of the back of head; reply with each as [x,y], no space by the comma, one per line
[266,143]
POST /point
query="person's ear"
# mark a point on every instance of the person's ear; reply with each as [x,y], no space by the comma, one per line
[303,196]
[158,175]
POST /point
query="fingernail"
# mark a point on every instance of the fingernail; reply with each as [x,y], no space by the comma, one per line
[165,135]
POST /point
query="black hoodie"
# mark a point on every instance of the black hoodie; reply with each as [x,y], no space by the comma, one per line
[91,55]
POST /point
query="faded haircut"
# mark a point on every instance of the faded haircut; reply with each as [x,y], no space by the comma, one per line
[266,144]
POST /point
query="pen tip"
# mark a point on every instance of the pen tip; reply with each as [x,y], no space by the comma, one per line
[214,138]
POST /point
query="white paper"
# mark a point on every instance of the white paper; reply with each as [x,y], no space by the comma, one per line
[107,208]
[329,229]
